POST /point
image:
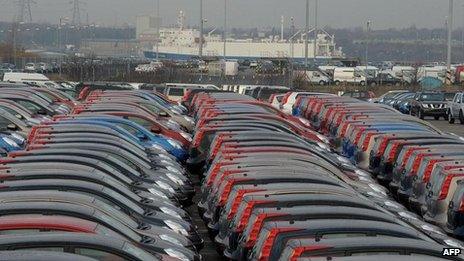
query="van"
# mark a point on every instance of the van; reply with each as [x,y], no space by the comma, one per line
[175,91]
[349,75]
[316,76]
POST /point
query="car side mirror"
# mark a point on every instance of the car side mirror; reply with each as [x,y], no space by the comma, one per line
[42,112]
[12,127]
[155,129]
[141,136]
[163,114]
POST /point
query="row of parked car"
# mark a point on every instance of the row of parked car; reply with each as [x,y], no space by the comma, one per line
[272,189]
[418,162]
[100,178]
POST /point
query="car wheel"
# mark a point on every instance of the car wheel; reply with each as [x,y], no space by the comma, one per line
[373,84]
[437,118]
[450,117]
[461,117]
[363,83]
[420,115]
[322,83]
[337,83]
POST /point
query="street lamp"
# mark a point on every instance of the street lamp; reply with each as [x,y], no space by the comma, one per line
[306,33]
[158,21]
[316,10]
[368,29]
[224,36]
[448,53]
[202,21]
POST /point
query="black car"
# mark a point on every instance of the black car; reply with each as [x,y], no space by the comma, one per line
[429,104]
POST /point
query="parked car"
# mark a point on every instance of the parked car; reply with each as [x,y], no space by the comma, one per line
[429,104]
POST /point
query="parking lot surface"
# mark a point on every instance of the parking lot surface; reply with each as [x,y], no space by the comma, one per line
[443,125]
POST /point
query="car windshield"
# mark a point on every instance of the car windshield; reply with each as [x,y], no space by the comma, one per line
[432,97]
[449,96]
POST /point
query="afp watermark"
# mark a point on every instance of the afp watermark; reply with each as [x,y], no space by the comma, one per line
[451,251]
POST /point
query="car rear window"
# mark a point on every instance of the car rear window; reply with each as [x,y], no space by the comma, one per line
[176,92]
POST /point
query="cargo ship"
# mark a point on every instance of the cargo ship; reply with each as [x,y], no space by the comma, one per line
[183,44]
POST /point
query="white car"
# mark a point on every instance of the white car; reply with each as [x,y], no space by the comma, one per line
[275,100]
[456,108]
[290,98]
[30,67]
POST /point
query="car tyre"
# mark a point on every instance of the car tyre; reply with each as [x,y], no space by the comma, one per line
[322,83]
[420,115]
[337,83]
[363,83]
[450,117]
[437,118]
[461,117]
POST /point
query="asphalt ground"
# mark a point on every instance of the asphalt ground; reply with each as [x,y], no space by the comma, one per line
[456,128]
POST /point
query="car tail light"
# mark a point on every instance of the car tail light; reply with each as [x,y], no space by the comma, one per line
[406,156]
[269,243]
[417,162]
[197,138]
[392,153]
[445,187]
[271,98]
[297,252]
[367,141]
[247,213]
[461,205]
[257,227]
[285,98]
[428,170]
[238,200]
[227,188]
[383,146]
[216,170]
[186,95]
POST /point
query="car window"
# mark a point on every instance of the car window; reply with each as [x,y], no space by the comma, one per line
[432,97]
[29,105]
[152,108]
[145,123]
[97,254]
[51,249]
[176,92]
[4,122]
[8,109]
[19,231]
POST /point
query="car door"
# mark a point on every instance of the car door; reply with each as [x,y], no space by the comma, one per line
[455,104]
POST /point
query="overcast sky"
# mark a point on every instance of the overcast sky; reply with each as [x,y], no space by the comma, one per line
[252,13]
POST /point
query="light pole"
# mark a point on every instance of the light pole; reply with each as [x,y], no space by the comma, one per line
[306,34]
[202,21]
[368,29]
[448,53]
[158,21]
[224,34]
[316,9]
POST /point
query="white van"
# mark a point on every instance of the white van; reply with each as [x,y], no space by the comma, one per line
[349,75]
[175,91]
[317,77]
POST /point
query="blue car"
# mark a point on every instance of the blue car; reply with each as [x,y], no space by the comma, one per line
[135,132]
[11,142]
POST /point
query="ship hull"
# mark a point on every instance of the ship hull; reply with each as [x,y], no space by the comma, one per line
[188,57]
